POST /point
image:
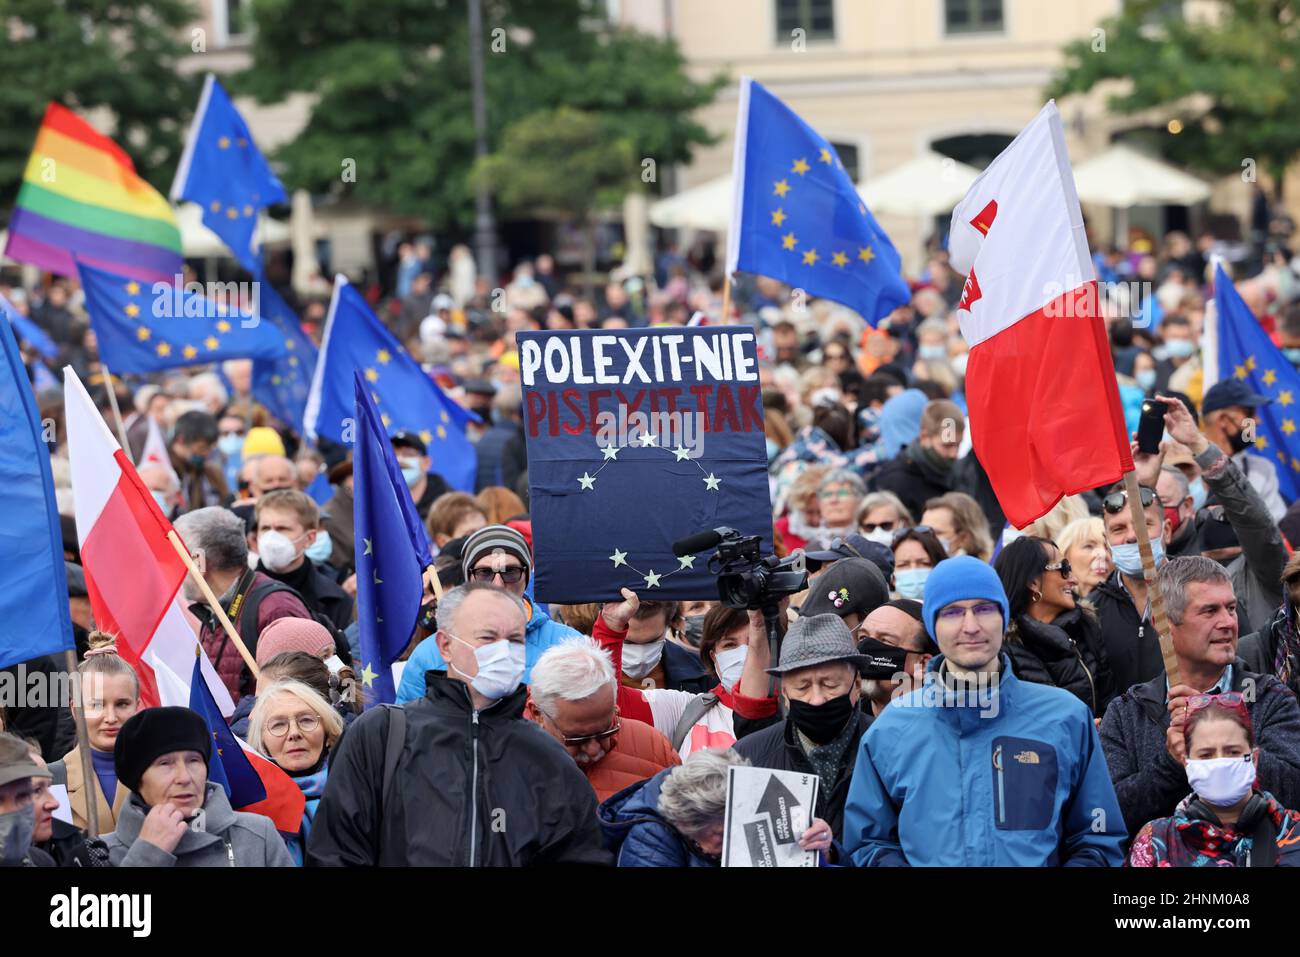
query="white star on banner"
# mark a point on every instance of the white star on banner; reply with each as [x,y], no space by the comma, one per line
[587,481]
[711,483]
[681,453]
[647,439]
[652,580]
[618,558]
[611,453]
[688,561]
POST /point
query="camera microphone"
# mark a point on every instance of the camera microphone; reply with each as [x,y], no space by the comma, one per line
[698,542]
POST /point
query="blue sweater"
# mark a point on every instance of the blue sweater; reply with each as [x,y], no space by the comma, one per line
[1018,780]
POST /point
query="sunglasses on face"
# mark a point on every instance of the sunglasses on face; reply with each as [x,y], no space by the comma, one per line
[582,739]
[1116,502]
[1062,566]
[510,575]
[870,527]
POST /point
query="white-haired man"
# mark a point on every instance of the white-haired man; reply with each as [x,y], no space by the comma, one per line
[573,697]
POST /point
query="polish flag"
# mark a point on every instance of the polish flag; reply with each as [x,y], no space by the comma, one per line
[1043,401]
[155,453]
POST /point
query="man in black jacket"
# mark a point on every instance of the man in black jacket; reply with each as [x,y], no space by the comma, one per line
[924,470]
[819,677]
[287,528]
[470,781]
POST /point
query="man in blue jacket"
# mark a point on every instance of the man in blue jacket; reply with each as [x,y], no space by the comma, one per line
[499,556]
[977,768]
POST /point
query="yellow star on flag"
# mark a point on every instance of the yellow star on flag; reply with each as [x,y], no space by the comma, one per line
[386,420]
[866,254]
[216,206]
[801,166]
[289,343]
[241,141]
[223,326]
[780,187]
[810,258]
[1284,397]
[840,259]
[1270,377]
[442,432]
[372,375]
[293,360]
[1261,442]
[142,334]
[232,213]
[133,288]
[384,356]
[1295,464]
[788,241]
[1288,426]
[248,210]
[1250,363]
[275,380]
[189,352]
[426,436]
[164,349]
[1239,372]
[826,155]
[224,142]
[368,676]
[778,217]
[444,416]
[132,310]
[211,342]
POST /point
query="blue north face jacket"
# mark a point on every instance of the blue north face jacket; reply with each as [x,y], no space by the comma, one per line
[1017,780]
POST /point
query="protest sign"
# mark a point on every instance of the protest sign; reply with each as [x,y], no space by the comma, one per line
[638,438]
[767,810]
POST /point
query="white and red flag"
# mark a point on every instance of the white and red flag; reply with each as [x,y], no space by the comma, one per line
[1043,401]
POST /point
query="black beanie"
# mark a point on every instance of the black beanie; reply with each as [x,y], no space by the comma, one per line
[153,732]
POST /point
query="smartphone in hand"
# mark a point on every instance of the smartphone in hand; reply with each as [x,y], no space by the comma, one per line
[1151,426]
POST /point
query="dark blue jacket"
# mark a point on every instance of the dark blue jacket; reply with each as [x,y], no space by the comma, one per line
[639,836]
[683,671]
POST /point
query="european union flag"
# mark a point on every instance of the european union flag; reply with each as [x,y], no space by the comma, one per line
[229,766]
[143,327]
[392,550]
[224,172]
[798,218]
[1246,352]
[28,331]
[407,399]
[33,588]
[282,384]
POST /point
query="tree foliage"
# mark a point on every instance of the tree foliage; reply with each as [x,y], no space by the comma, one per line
[393,84]
[96,53]
[1232,83]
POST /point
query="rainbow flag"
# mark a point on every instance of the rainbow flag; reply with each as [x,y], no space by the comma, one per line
[81,199]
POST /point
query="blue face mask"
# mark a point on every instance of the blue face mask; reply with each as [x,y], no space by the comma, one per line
[910,582]
[319,550]
[1179,348]
[933,353]
[1129,560]
[1292,354]
[230,444]
[1146,379]
[1196,488]
[772,450]
[412,475]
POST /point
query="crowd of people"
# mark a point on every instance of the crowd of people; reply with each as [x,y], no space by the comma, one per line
[967,693]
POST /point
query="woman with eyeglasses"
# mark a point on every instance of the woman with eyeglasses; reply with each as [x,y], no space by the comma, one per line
[916,551]
[1052,638]
[1227,820]
[881,515]
[838,496]
[295,727]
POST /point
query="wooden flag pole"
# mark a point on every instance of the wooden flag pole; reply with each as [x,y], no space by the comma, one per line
[117,413]
[431,578]
[1154,601]
[726,299]
[212,601]
[83,745]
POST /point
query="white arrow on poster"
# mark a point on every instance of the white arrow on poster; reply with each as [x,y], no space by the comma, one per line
[767,810]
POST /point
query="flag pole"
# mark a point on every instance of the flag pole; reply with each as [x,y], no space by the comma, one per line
[431,579]
[1154,600]
[117,413]
[212,601]
[726,298]
[83,745]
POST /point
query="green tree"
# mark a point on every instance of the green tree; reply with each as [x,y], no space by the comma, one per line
[1232,83]
[393,85]
[562,162]
[96,53]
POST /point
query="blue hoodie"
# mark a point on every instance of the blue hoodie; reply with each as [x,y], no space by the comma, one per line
[957,786]
[541,634]
[900,422]
[638,834]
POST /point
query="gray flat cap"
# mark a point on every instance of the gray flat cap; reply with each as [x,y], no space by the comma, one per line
[816,640]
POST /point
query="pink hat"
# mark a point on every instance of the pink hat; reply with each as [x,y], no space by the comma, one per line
[294,634]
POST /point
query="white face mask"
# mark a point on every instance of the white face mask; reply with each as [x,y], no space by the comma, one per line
[730,664]
[500,667]
[640,660]
[276,550]
[881,536]
[1221,782]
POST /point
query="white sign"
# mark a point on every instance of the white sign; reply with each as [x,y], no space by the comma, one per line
[767,810]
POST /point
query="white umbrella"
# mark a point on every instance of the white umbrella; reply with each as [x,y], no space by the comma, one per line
[926,185]
[1122,177]
[707,206]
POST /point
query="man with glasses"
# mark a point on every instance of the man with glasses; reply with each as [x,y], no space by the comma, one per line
[978,768]
[1142,732]
[495,555]
[459,778]
[574,698]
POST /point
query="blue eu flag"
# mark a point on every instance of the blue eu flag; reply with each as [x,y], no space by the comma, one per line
[229,766]
[282,384]
[798,218]
[33,589]
[143,327]
[1247,353]
[392,550]
[223,171]
[28,331]
[407,399]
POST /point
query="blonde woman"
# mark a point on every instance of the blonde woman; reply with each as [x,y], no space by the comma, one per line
[1083,545]
[960,524]
[295,727]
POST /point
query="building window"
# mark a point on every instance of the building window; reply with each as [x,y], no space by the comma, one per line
[816,18]
[848,154]
[233,21]
[972,16]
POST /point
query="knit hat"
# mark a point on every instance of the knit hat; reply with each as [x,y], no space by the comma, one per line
[489,538]
[294,634]
[847,586]
[816,640]
[153,732]
[959,579]
[16,761]
[262,440]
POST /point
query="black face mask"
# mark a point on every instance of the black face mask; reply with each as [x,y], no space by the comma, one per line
[1237,442]
[886,660]
[694,629]
[429,616]
[822,722]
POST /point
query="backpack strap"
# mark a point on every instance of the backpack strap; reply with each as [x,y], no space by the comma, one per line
[392,846]
[394,742]
[695,709]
